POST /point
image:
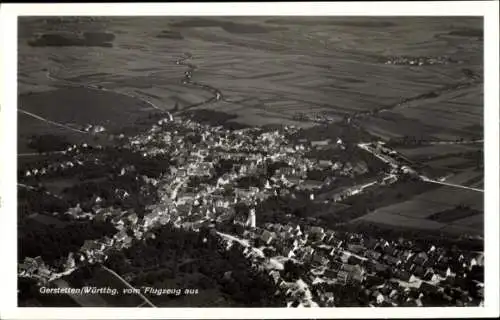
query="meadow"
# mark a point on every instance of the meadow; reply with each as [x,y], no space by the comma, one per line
[447,210]
[269,68]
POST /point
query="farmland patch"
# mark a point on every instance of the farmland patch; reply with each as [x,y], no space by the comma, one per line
[87,39]
[450,215]
[229,26]
[83,106]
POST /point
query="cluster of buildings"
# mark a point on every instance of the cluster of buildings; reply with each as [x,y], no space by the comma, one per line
[321,117]
[77,161]
[382,272]
[94,129]
[388,273]
[419,61]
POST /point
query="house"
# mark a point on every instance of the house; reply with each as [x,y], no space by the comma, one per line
[325,164]
[288,252]
[356,248]
[164,219]
[297,231]
[267,237]
[333,252]
[132,218]
[320,143]
[344,257]
[370,243]
[379,267]
[294,243]
[354,260]
[428,288]
[342,276]
[305,253]
[388,250]
[429,274]
[373,254]
[117,220]
[379,297]
[44,272]
[275,275]
[319,259]
[403,275]
[373,280]
[184,208]
[288,228]
[100,216]
[88,246]
[360,168]
[419,271]
[420,258]
[391,260]
[441,272]
[329,236]
[405,255]
[107,241]
[335,265]
[120,236]
[357,275]
[331,273]
[311,184]
[348,267]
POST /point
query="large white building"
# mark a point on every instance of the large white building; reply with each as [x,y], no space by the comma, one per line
[251,218]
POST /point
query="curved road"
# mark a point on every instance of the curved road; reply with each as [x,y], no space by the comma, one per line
[91,87]
[35,154]
[188,81]
[125,282]
[100,88]
[50,121]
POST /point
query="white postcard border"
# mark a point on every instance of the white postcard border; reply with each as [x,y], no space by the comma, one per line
[8,265]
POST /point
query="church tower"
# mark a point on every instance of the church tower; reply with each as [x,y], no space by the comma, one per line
[251,218]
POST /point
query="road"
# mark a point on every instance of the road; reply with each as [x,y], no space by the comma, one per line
[387,159]
[84,300]
[456,142]
[36,154]
[277,265]
[245,243]
[87,86]
[100,88]
[425,179]
[22,185]
[125,282]
[188,81]
[50,121]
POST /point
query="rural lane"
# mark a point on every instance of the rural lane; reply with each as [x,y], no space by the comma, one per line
[50,121]
[188,80]
[125,282]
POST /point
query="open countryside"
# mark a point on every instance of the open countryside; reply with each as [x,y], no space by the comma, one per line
[266,161]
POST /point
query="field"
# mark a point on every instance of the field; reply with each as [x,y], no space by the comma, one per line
[436,210]
[268,68]
[461,164]
[29,127]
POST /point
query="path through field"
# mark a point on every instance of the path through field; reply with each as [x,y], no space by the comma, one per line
[50,121]
[125,282]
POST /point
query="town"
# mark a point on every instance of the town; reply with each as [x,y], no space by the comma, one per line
[196,177]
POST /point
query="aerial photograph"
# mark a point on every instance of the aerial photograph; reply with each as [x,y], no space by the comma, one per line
[250,161]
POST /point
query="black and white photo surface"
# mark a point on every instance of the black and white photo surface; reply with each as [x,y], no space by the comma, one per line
[228,161]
